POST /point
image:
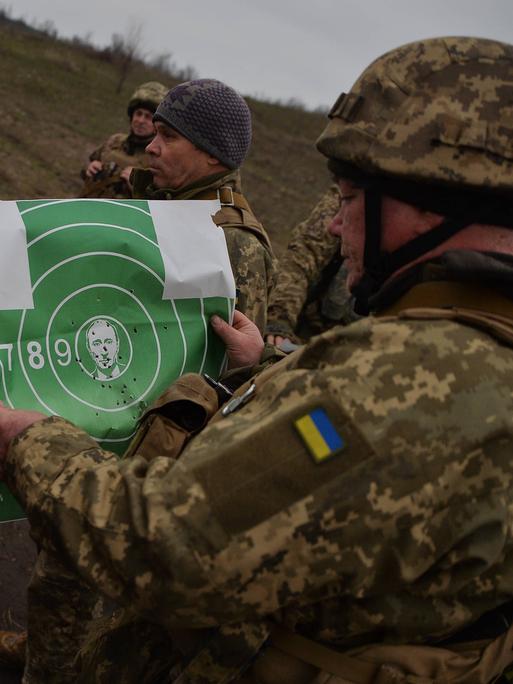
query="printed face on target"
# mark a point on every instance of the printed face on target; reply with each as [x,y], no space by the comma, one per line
[103,345]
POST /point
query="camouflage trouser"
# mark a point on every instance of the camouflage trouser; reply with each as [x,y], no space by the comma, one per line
[63,615]
[60,610]
[133,653]
[74,639]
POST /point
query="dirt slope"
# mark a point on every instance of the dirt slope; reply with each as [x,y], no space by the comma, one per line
[58,101]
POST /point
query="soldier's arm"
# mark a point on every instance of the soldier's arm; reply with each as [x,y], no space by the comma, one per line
[309,251]
[228,532]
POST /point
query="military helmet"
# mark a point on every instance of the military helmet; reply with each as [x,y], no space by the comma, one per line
[430,123]
[147,96]
[438,111]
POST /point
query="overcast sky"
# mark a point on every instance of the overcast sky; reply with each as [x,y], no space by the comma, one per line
[309,50]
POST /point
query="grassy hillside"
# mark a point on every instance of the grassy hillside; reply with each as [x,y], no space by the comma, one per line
[58,101]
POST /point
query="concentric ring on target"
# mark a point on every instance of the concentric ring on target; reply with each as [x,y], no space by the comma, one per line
[53,269]
[136,400]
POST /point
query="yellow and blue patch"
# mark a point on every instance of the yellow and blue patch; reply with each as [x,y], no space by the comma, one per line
[319,435]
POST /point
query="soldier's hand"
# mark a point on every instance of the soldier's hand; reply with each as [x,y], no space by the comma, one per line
[94,167]
[125,175]
[12,422]
[244,343]
[276,339]
[284,344]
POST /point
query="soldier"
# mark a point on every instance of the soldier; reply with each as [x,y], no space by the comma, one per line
[310,295]
[108,171]
[203,135]
[347,517]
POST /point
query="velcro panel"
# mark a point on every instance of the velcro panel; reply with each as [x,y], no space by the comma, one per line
[270,466]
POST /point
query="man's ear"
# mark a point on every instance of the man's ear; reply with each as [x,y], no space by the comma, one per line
[212,161]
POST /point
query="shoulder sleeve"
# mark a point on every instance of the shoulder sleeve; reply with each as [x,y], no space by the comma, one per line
[116,140]
[309,251]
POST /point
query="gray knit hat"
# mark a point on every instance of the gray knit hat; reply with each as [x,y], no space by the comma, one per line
[212,116]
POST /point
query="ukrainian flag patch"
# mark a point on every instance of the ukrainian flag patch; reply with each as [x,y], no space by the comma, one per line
[319,435]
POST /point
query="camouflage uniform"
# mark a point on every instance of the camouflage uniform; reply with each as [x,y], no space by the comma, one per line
[383,542]
[248,245]
[119,151]
[122,150]
[310,294]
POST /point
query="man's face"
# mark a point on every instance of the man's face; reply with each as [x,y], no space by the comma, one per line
[141,123]
[349,225]
[175,161]
[103,345]
[400,223]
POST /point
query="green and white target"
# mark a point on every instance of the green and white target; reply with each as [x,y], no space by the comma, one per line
[103,303]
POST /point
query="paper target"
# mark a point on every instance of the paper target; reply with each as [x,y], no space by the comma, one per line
[100,342]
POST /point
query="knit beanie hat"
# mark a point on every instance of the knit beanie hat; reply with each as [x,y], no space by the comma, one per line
[212,116]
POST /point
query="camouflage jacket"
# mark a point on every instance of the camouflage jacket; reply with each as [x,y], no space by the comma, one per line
[310,294]
[249,247]
[395,526]
[116,153]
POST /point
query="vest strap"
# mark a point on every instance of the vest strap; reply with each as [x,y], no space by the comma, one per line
[322,657]
[226,196]
[468,662]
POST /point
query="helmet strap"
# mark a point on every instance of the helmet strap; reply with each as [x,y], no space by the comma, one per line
[369,283]
[420,245]
[372,251]
[379,265]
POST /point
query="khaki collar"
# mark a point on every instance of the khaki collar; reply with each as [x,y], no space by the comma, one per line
[200,187]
